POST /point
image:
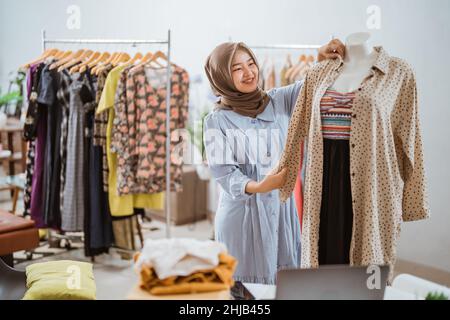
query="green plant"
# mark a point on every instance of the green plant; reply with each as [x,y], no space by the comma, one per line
[13,96]
[436,296]
[10,97]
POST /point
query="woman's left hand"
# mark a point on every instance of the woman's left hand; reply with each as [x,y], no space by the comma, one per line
[331,50]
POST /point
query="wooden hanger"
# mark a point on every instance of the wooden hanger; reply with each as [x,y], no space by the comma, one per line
[112,57]
[148,56]
[47,53]
[64,55]
[136,57]
[300,68]
[289,60]
[66,59]
[98,68]
[76,60]
[98,62]
[105,55]
[158,55]
[293,72]
[123,57]
[143,61]
[58,54]
[80,62]
[83,66]
[116,59]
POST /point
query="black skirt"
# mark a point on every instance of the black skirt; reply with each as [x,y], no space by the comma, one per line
[336,213]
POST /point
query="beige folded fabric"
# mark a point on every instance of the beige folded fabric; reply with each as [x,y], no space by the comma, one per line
[216,279]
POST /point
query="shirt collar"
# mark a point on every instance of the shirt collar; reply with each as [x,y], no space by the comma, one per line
[268,113]
[381,62]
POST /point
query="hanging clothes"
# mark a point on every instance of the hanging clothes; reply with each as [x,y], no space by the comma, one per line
[120,205]
[98,221]
[74,204]
[386,158]
[139,136]
[101,123]
[48,87]
[71,178]
[29,135]
[37,207]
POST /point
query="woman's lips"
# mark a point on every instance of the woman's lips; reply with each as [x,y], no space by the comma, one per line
[249,81]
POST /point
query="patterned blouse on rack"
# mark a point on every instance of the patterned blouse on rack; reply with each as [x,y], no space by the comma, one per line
[139,131]
[336,114]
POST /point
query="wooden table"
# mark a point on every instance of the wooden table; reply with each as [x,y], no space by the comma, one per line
[138,294]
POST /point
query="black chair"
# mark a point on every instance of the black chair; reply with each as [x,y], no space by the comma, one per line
[12,282]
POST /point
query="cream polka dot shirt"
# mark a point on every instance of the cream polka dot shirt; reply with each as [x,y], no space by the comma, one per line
[386,158]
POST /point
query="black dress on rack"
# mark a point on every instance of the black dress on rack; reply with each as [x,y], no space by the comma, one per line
[97,221]
[48,88]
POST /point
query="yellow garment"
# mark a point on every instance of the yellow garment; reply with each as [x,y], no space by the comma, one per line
[121,205]
[217,279]
[60,280]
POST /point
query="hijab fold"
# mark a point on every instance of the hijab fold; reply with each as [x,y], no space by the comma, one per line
[218,70]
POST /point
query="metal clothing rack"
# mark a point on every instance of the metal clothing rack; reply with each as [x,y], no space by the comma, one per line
[134,42]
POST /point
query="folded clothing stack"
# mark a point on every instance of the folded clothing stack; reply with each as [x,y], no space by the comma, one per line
[183,265]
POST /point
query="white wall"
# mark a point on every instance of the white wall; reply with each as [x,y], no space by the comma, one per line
[416,30]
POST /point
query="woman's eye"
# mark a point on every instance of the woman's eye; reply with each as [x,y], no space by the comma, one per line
[237,69]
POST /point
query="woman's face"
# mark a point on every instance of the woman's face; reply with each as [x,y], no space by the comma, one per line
[244,72]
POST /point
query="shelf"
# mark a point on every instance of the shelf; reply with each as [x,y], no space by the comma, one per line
[17,156]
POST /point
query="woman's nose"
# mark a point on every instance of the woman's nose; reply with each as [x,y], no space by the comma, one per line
[247,73]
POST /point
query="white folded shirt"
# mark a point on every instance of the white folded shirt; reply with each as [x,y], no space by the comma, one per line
[179,256]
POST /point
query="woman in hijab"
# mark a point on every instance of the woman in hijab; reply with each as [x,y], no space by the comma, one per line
[244,138]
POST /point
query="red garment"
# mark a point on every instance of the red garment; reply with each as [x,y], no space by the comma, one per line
[298,194]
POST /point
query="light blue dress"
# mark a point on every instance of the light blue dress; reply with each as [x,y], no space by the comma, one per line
[260,231]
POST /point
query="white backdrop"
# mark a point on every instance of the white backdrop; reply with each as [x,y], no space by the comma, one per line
[416,30]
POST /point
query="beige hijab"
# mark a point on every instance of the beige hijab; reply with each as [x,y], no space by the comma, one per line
[218,70]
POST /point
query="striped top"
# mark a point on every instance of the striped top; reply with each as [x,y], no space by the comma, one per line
[336,114]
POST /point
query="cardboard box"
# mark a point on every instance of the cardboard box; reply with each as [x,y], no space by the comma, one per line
[187,206]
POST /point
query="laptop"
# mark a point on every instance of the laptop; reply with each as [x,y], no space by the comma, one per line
[332,282]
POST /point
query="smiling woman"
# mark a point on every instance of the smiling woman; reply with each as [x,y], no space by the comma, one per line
[227,67]
[244,71]
[260,231]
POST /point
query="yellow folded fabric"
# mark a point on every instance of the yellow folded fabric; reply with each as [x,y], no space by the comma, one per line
[216,279]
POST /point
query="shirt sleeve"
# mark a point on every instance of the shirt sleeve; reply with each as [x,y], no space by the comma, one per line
[408,133]
[46,88]
[297,132]
[290,94]
[221,160]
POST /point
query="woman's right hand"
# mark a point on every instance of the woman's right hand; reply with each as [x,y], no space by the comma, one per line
[331,50]
[271,182]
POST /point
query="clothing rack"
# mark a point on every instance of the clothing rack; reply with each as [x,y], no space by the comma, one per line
[134,42]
